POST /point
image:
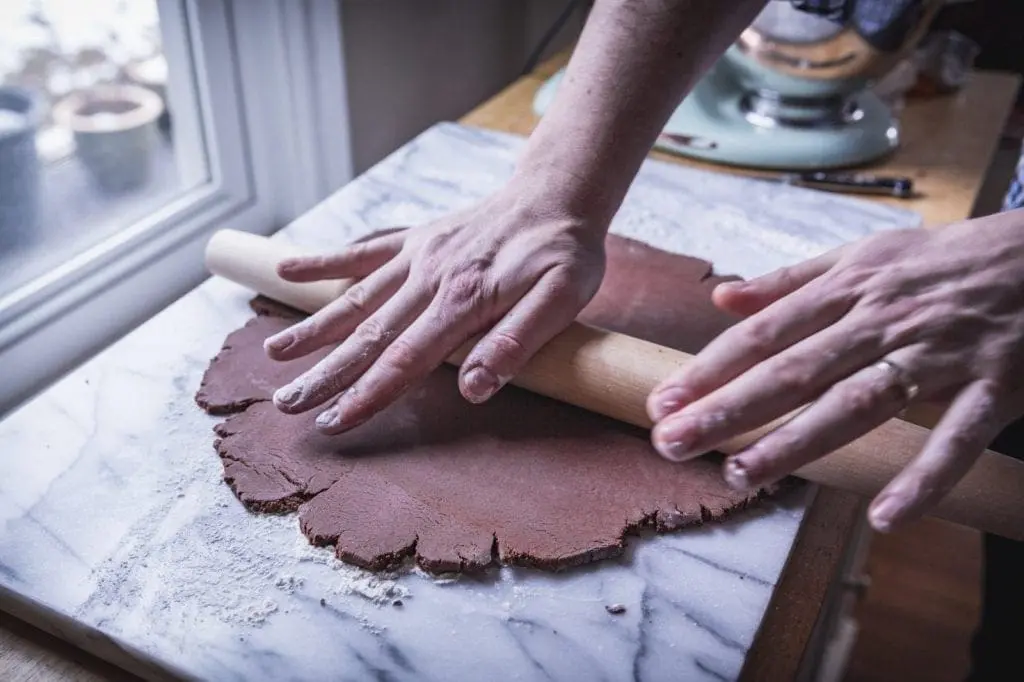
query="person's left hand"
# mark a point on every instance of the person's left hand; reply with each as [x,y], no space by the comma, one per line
[857,334]
[515,268]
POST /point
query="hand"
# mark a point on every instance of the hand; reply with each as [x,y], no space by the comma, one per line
[945,306]
[520,268]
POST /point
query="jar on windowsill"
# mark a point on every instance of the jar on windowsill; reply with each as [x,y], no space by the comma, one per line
[115,133]
[20,176]
[151,74]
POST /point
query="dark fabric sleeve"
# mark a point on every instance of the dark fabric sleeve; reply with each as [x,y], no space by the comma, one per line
[884,24]
[834,9]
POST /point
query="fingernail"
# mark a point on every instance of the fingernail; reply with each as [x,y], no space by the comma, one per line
[285,265]
[883,515]
[668,401]
[480,384]
[280,342]
[677,440]
[288,395]
[673,451]
[735,286]
[328,417]
[736,474]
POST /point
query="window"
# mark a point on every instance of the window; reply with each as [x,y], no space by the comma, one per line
[87,83]
[129,131]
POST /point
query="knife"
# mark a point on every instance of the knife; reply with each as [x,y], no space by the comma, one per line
[858,183]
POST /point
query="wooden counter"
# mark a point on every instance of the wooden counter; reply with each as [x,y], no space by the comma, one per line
[948,145]
[947,142]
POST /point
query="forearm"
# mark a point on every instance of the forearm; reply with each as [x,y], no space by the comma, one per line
[635,61]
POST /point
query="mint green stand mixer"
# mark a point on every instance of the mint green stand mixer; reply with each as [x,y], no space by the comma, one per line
[793,92]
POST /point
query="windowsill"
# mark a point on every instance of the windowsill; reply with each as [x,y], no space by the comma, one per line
[77,214]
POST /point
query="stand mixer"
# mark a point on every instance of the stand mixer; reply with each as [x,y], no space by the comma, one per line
[793,91]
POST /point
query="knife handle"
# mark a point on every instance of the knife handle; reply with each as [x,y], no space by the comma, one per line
[860,183]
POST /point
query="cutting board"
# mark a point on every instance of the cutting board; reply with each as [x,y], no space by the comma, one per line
[119,535]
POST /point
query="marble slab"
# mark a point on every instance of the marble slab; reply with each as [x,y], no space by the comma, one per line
[118,532]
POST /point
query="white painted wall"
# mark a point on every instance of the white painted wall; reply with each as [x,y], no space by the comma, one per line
[412,63]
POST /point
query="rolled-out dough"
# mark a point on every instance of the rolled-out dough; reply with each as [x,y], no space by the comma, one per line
[521,480]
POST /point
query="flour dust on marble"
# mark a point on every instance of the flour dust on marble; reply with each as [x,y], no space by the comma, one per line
[196,535]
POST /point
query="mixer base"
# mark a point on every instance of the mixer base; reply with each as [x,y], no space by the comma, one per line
[713,124]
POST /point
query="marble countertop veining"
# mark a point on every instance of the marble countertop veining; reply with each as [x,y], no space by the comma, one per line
[114,514]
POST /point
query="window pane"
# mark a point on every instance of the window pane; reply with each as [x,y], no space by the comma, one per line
[87,128]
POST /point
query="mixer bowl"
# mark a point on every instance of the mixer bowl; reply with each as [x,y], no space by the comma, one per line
[794,91]
[798,68]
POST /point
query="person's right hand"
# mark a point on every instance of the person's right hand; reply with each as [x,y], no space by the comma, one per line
[850,339]
[515,267]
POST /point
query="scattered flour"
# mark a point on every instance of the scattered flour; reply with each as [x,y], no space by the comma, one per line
[376,589]
[381,589]
[258,614]
[439,579]
[288,583]
[197,558]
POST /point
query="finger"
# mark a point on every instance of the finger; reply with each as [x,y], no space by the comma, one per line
[973,420]
[737,349]
[843,413]
[546,309]
[768,390]
[336,321]
[355,261]
[748,297]
[344,365]
[409,358]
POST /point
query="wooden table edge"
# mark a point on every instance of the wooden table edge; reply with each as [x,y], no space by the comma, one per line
[797,602]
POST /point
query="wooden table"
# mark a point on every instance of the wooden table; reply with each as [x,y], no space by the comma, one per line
[948,145]
[947,142]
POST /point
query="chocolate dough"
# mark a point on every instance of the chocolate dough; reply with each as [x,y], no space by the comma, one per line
[521,480]
[238,377]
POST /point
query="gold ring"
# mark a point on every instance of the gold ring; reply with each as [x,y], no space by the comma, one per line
[902,377]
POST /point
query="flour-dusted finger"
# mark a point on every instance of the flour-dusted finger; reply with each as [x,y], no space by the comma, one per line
[845,412]
[749,297]
[973,420]
[410,357]
[336,321]
[741,347]
[339,370]
[547,309]
[767,391]
[356,260]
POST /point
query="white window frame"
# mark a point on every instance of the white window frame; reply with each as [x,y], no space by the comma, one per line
[268,79]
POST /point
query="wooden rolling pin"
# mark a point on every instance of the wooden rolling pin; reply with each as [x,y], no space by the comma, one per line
[612,374]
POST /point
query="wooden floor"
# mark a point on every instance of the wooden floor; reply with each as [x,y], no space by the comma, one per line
[918,615]
[31,655]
